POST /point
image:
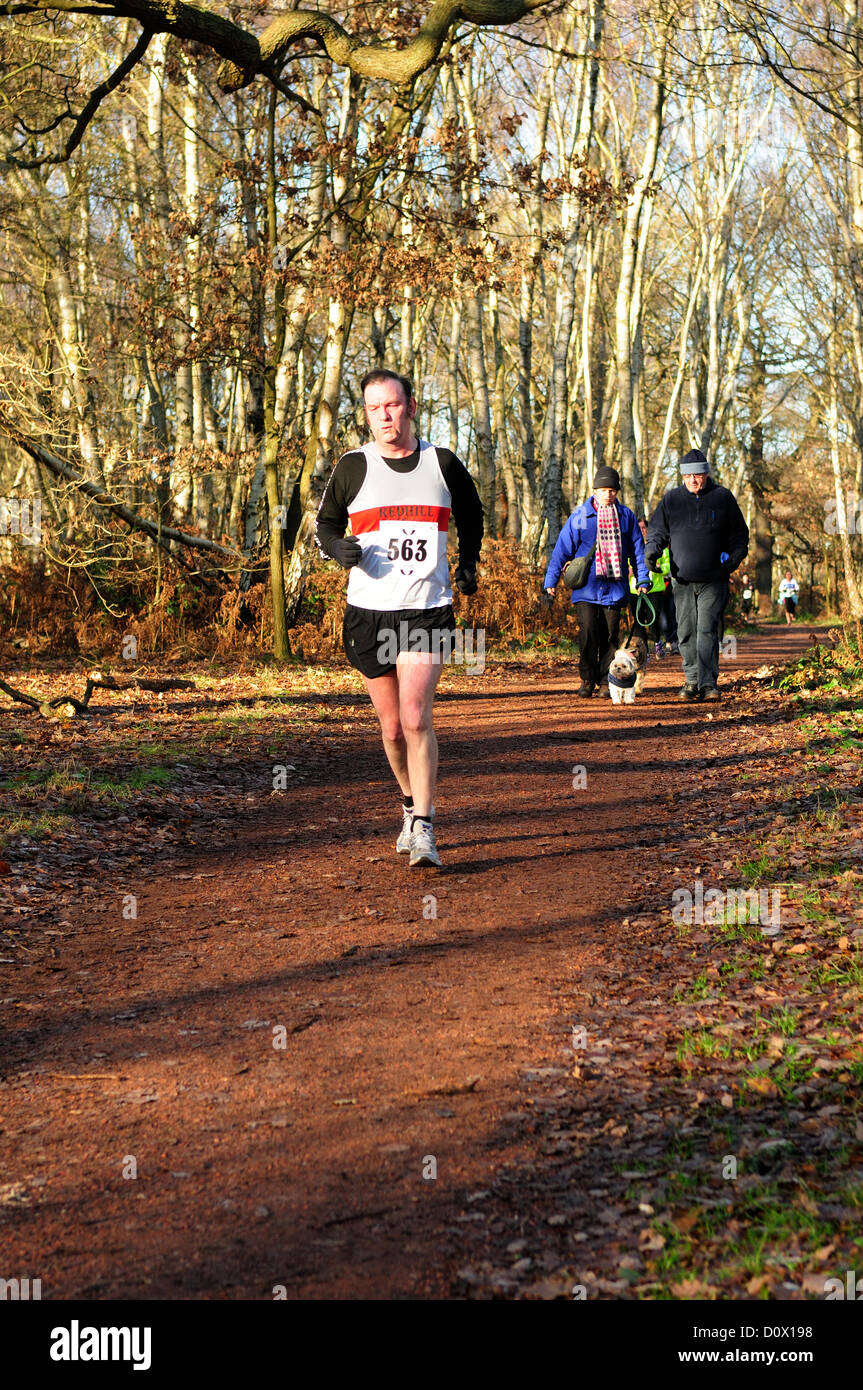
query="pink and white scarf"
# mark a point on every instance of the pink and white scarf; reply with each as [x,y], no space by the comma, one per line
[609,562]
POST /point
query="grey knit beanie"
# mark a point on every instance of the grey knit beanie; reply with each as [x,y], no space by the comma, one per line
[694,462]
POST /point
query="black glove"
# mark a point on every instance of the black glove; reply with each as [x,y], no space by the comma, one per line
[347,551]
[465,579]
[651,561]
[545,599]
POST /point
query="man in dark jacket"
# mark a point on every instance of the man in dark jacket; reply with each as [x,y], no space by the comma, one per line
[708,538]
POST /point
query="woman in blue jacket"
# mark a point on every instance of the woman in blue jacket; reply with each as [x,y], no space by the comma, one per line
[605,522]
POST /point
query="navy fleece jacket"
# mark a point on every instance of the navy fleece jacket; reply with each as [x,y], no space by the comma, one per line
[698,527]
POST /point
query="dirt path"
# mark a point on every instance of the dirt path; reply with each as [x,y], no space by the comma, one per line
[387,1144]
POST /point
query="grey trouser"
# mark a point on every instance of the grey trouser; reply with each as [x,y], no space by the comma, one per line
[699,616]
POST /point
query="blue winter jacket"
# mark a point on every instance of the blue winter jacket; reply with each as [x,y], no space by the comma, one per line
[577,537]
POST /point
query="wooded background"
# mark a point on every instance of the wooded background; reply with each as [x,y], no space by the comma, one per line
[604,231]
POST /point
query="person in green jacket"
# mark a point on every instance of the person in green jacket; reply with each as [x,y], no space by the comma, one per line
[663,629]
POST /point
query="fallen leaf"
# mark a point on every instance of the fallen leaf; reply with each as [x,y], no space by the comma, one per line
[690,1288]
[757,1283]
[651,1240]
[686,1220]
[813,1283]
[763,1085]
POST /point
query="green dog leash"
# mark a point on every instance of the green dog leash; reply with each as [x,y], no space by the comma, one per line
[643,598]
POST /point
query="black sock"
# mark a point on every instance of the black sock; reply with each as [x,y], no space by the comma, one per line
[408,802]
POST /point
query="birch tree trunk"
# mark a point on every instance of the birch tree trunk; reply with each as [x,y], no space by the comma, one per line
[531,512]
[484,428]
[75,365]
[452,375]
[627,332]
[554,431]
[272,431]
[184,401]
[853,578]
[481,409]
[155,419]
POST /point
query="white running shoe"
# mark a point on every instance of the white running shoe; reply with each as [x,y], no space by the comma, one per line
[423,848]
[403,843]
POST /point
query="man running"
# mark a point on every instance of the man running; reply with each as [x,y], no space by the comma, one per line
[397,494]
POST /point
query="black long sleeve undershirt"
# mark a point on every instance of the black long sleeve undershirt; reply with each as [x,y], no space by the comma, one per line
[349,475]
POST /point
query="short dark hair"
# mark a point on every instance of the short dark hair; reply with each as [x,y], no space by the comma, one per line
[384,374]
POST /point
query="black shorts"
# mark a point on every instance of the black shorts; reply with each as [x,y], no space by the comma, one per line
[373,640]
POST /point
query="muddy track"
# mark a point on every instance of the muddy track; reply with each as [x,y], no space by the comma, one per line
[317,1061]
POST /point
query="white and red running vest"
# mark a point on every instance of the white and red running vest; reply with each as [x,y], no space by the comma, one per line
[401,521]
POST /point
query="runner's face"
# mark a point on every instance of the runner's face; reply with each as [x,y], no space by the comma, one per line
[695,481]
[604,496]
[390,416]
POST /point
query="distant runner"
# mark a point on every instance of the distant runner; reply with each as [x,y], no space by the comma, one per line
[789,592]
[397,494]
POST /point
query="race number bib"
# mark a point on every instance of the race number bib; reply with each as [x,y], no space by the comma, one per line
[410,546]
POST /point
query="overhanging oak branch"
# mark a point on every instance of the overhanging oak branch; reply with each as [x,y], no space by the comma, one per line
[376,60]
[246,55]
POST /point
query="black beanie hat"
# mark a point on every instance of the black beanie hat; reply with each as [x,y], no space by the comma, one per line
[607,477]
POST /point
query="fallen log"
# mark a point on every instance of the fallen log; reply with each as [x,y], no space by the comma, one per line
[57,708]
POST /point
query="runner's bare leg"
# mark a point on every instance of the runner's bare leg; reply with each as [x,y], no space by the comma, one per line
[403,701]
[384,695]
[418,675]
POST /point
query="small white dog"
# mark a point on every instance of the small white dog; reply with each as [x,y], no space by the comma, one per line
[626,672]
[622,675]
